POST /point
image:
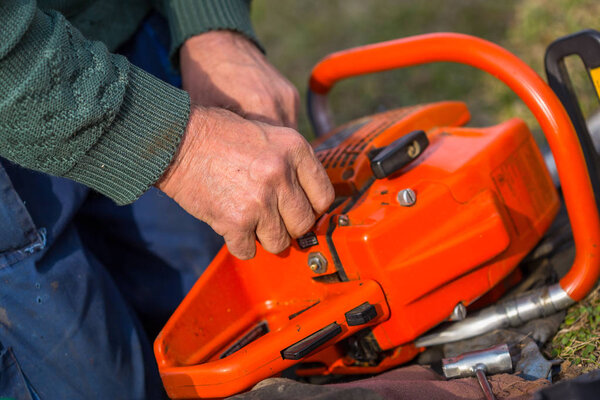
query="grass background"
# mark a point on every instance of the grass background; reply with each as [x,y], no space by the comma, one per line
[578,340]
[297,34]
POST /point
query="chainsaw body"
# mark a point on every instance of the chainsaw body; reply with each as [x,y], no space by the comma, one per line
[483,200]
[402,247]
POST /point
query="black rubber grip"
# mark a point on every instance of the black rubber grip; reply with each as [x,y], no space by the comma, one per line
[361,314]
[311,343]
[586,45]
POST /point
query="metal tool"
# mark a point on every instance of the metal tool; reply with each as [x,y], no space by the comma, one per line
[493,360]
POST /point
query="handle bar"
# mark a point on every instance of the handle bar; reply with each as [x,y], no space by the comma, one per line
[541,100]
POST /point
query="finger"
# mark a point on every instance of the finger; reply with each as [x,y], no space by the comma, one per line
[272,234]
[295,209]
[291,105]
[282,113]
[263,107]
[274,120]
[288,115]
[270,230]
[314,181]
[241,244]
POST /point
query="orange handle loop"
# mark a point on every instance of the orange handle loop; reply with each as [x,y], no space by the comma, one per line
[541,100]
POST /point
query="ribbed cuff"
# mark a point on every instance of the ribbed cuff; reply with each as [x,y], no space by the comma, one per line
[136,150]
[188,18]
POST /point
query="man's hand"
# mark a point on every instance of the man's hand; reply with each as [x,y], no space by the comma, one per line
[248,180]
[224,69]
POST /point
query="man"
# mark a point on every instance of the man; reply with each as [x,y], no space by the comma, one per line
[79,276]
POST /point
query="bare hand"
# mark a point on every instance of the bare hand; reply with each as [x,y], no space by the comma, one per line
[224,69]
[248,180]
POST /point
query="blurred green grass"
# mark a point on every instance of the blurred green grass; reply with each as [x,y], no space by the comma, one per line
[297,34]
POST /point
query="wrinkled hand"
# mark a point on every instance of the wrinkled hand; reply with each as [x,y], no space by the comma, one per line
[224,69]
[247,180]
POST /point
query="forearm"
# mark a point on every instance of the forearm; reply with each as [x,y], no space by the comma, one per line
[70,108]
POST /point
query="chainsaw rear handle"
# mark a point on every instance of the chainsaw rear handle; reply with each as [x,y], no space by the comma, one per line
[351,307]
[586,45]
[537,95]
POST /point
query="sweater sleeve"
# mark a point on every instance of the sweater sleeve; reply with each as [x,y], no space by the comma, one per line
[188,18]
[70,108]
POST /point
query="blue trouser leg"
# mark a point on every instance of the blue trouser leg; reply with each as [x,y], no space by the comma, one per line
[80,278]
[154,250]
[71,331]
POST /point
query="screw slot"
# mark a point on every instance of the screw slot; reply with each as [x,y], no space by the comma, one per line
[407,197]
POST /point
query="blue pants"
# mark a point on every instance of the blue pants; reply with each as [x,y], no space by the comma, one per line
[86,285]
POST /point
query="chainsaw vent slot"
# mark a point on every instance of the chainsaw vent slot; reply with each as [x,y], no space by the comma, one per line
[328,278]
[294,315]
[337,139]
[259,330]
[349,146]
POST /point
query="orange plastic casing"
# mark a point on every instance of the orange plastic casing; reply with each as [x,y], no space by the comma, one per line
[483,200]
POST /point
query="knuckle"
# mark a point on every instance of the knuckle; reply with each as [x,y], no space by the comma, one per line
[304,226]
[241,246]
[329,195]
[323,202]
[290,92]
[241,219]
[309,221]
[278,244]
[272,168]
[245,221]
[255,100]
[297,138]
[296,141]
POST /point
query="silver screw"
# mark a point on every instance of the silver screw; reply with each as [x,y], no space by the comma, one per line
[459,313]
[317,263]
[407,197]
[343,220]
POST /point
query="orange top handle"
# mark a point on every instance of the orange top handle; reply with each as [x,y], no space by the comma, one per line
[537,95]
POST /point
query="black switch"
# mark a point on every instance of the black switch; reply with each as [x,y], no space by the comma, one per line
[310,343]
[398,154]
[361,314]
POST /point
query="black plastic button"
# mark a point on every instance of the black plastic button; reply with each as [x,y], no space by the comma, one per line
[310,343]
[361,314]
[396,155]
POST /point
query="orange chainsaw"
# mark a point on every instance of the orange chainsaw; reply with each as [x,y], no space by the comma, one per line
[429,216]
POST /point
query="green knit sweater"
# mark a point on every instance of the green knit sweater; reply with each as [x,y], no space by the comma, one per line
[69,107]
